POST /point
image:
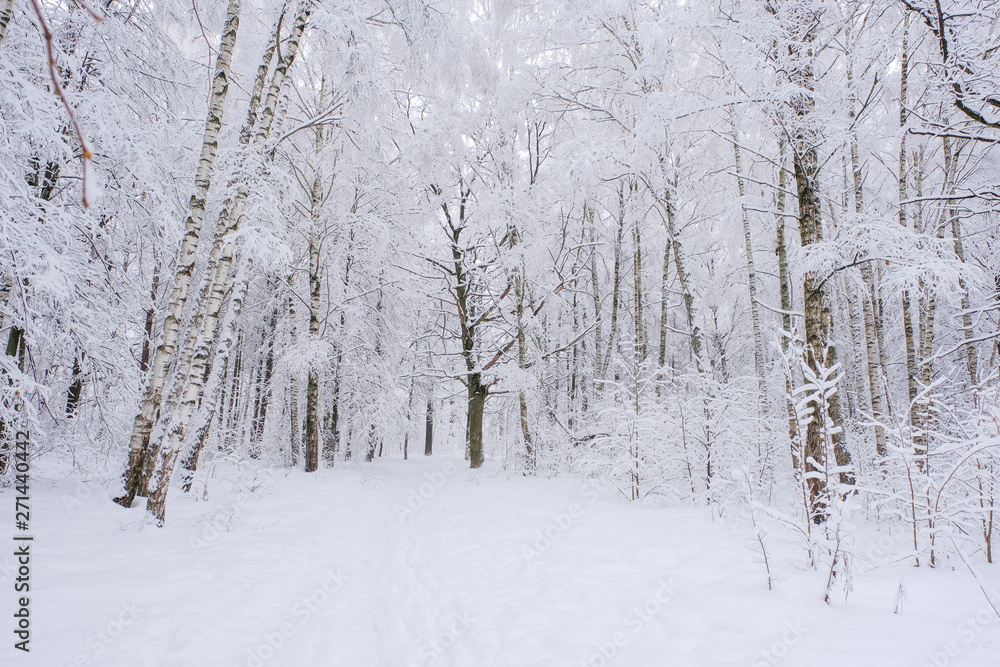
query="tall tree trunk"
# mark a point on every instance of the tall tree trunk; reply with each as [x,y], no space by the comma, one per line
[820,350]
[873,352]
[758,342]
[265,400]
[429,428]
[615,289]
[971,362]
[522,399]
[595,290]
[661,353]
[785,289]
[476,400]
[908,334]
[135,479]
[203,339]
[687,296]
[293,382]
[175,437]
[639,345]
[951,219]
[312,387]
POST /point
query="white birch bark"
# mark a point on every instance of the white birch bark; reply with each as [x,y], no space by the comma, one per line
[758,343]
[135,478]
[312,382]
[6,12]
[221,281]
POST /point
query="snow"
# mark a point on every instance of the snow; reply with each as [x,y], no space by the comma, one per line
[424,562]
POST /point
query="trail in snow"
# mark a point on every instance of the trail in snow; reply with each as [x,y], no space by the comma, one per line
[424,562]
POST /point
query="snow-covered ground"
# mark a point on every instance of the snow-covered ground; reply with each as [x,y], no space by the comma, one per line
[425,562]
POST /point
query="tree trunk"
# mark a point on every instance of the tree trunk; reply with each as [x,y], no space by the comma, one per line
[758,342]
[16,348]
[6,13]
[820,350]
[522,400]
[293,383]
[908,334]
[268,372]
[595,289]
[661,352]
[136,479]
[785,290]
[175,438]
[312,388]
[950,215]
[686,295]
[615,290]
[639,345]
[429,428]
[474,427]
[75,388]
[147,338]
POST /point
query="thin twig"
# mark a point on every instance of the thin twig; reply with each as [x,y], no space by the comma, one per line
[85,154]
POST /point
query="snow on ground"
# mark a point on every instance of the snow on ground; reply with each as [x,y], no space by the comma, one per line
[426,563]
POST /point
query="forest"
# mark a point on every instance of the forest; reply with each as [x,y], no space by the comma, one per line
[740,254]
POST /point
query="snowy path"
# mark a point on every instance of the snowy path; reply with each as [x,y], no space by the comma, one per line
[427,563]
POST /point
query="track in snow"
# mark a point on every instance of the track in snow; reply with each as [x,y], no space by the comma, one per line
[424,562]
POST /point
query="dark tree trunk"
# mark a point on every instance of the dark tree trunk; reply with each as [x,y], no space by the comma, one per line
[429,430]
[312,425]
[75,388]
[15,348]
[474,426]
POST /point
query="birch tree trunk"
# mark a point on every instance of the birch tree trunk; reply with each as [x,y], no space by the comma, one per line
[785,290]
[156,502]
[819,350]
[758,343]
[522,399]
[639,349]
[6,13]
[312,386]
[136,478]
[293,382]
[872,347]
[588,213]
[615,290]
[661,356]
[950,219]
[971,360]
[686,295]
[911,352]
[221,280]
